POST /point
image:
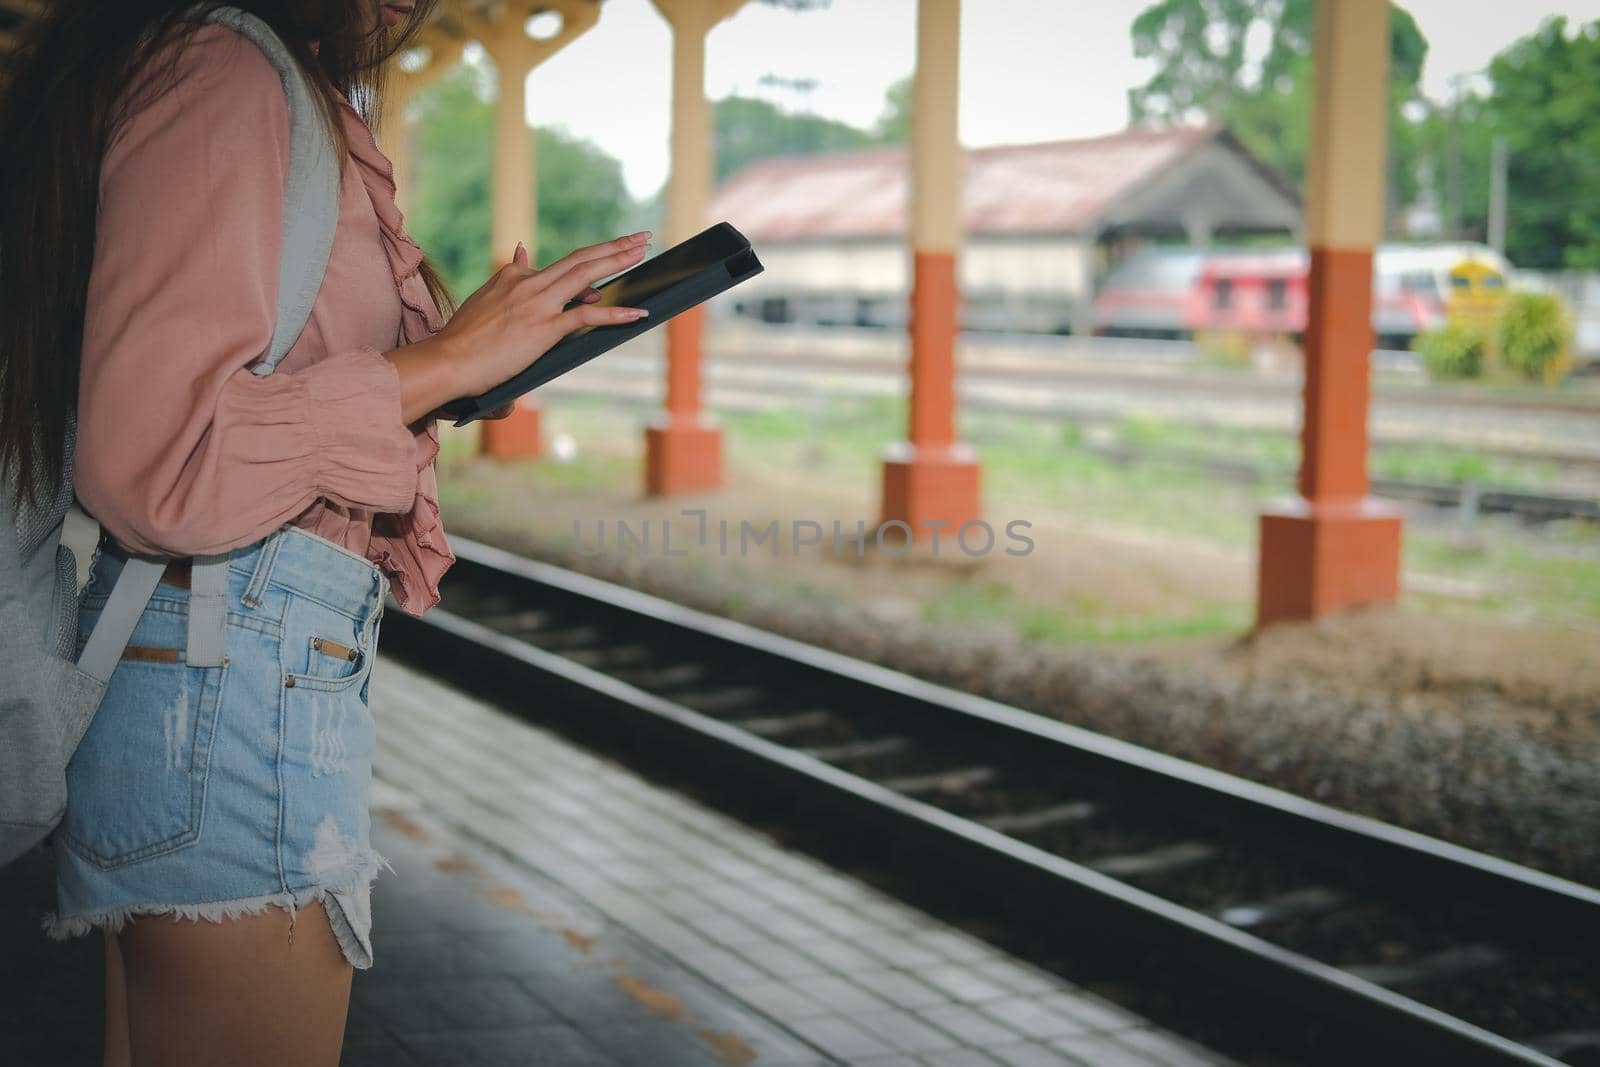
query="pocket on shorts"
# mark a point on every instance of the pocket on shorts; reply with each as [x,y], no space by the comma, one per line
[136,784]
[323,648]
[328,731]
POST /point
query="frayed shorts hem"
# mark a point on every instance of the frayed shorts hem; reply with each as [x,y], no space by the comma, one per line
[350,916]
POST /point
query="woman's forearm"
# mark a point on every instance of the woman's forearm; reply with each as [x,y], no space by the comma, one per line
[430,375]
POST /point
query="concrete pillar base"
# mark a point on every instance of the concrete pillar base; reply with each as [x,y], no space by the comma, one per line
[682,455]
[930,483]
[517,436]
[1322,558]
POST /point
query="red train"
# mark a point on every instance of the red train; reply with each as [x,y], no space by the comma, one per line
[1179,292]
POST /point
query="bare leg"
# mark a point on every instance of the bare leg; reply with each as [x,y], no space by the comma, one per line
[236,992]
[118,1054]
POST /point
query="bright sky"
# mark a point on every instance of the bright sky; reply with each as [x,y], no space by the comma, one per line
[1031,70]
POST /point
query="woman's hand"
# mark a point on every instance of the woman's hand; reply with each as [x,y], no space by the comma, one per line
[514,318]
[518,314]
[588,296]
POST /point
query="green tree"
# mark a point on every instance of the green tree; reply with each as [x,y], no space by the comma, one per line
[1543,99]
[894,124]
[1546,104]
[1246,64]
[581,195]
[747,129]
[454,153]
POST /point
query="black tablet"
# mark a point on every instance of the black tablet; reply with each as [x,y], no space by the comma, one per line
[674,281]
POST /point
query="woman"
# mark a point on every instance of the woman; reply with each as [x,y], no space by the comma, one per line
[144,169]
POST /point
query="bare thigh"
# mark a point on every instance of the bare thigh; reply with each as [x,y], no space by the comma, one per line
[117,1053]
[235,992]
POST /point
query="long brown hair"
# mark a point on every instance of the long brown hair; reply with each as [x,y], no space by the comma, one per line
[81,70]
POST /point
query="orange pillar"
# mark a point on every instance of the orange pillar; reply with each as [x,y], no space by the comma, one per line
[515,193]
[1334,547]
[682,446]
[518,435]
[933,478]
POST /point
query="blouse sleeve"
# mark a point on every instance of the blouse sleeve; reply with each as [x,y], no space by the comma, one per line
[181,450]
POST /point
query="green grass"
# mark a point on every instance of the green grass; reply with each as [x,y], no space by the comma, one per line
[1048,472]
[1081,622]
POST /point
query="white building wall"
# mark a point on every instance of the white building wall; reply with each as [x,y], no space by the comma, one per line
[1047,278]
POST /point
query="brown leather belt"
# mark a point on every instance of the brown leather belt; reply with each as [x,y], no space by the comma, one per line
[176,574]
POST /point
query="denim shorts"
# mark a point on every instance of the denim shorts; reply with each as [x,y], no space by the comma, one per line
[213,792]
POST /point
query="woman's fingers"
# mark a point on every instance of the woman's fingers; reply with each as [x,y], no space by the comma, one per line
[622,252]
[584,275]
[587,315]
[604,248]
[520,256]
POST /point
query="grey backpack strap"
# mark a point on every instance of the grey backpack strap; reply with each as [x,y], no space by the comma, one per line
[208,611]
[311,212]
[311,197]
[117,619]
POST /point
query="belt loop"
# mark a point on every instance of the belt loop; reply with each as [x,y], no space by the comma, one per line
[263,572]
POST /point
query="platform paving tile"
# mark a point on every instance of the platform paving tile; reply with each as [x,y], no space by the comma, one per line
[1169,1050]
[781,1000]
[838,954]
[958,1057]
[1015,975]
[905,1031]
[960,982]
[791,961]
[543,979]
[900,988]
[1095,1013]
[1034,1054]
[839,994]
[780,961]
[970,1026]
[842,1037]
[720,964]
[1033,1017]
[898,949]
[1105,1050]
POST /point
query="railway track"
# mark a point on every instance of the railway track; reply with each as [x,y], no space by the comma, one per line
[1556,430]
[1535,507]
[1394,947]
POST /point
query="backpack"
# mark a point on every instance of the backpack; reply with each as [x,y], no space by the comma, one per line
[49,691]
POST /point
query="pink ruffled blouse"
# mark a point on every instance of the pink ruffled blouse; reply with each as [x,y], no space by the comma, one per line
[181,450]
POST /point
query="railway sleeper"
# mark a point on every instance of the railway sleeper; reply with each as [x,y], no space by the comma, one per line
[867,749]
[516,622]
[1569,1045]
[1027,821]
[941,782]
[1156,861]
[612,657]
[770,726]
[662,678]
[1450,963]
[1297,903]
[580,638]
[714,701]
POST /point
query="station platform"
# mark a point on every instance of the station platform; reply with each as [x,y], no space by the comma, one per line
[549,906]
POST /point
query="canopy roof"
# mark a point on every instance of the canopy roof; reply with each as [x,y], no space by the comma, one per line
[1137,179]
